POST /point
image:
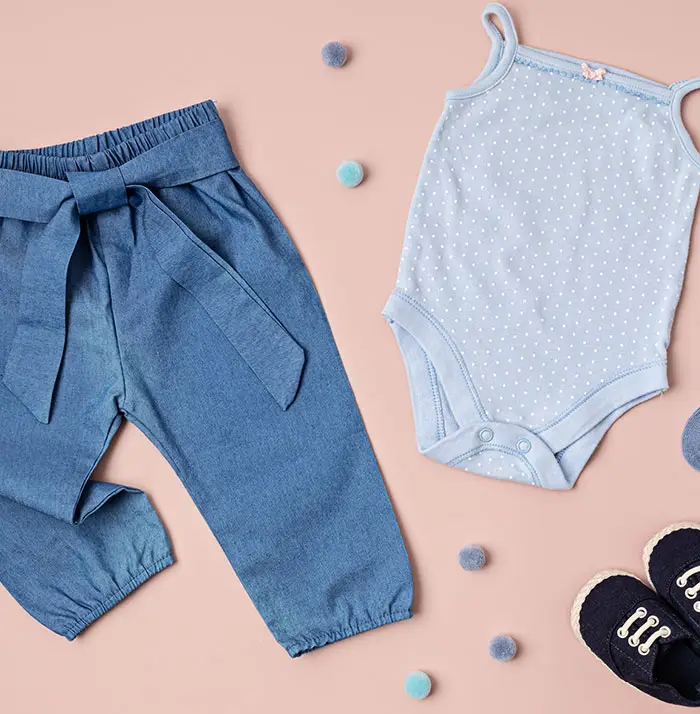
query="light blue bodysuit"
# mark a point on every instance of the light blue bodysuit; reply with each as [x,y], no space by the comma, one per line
[543,260]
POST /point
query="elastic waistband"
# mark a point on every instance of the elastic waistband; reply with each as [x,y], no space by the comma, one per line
[110,149]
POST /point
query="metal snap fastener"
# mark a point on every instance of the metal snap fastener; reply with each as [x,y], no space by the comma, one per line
[486,434]
[523,446]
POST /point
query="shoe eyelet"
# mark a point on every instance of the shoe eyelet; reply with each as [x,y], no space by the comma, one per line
[696,606]
[642,611]
[633,641]
[622,634]
[690,594]
[644,651]
[681,582]
[665,631]
[654,620]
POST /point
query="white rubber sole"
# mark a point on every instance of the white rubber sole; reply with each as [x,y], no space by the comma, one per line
[656,539]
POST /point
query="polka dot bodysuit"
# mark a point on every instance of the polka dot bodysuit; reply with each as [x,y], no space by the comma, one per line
[543,260]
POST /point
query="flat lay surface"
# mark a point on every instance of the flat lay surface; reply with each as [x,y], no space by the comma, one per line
[190,638]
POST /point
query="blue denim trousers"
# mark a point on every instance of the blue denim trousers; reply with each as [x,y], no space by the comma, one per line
[144,277]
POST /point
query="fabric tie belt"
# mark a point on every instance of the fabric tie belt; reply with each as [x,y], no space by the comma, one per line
[36,353]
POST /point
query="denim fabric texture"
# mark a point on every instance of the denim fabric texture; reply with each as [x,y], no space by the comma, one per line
[543,260]
[144,277]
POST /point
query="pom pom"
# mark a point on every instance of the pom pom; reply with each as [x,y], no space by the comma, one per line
[502,648]
[334,54]
[417,685]
[350,173]
[472,557]
[690,441]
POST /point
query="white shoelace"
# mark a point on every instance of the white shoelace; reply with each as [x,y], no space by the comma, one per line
[634,639]
[692,592]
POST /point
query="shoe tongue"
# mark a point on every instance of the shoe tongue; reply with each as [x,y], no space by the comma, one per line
[659,658]
[646,664]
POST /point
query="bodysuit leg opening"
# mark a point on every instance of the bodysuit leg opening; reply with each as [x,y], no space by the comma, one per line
[434,419]
[453,428]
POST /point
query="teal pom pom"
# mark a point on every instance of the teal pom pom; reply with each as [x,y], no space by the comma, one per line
[417,685]
[350,173]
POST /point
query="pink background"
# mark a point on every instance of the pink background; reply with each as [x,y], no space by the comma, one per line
[190,640]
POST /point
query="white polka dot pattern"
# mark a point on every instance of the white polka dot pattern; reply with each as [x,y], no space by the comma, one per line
[546,244]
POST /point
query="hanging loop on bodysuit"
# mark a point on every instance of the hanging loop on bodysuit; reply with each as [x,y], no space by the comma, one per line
[680,90]
[503,45]
[509,35]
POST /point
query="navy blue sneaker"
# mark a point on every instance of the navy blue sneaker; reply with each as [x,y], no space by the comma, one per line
[672,561]
[629,628]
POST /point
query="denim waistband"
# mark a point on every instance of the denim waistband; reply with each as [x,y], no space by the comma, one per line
[171,149]
[110,149]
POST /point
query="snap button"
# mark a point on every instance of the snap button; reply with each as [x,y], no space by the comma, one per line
[523,446]
[486,434]
[135,200]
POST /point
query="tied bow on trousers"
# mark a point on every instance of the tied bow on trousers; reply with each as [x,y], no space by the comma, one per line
[34,362]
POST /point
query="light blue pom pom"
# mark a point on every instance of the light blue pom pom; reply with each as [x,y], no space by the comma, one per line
[350,173]
[502,648]
[417,685]
[334,54]
[472,557]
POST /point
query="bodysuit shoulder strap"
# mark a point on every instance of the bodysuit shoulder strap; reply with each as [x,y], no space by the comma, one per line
[503,45]
[681,90]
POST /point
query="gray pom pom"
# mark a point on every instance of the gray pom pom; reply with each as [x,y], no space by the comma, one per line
[502,648]
[472,557]
[690,441]
[334,54]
